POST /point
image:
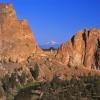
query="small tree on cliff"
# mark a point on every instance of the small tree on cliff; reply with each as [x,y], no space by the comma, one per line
[35,71]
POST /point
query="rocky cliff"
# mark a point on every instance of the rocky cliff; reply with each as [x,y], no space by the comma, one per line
[18,49]
[23,63]
[16,38]
[82,50]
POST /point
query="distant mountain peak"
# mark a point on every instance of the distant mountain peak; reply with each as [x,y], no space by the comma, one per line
[52,42]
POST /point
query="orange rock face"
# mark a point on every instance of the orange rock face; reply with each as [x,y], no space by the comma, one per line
[92,46]
[82,50]
[17,43]
[16,38]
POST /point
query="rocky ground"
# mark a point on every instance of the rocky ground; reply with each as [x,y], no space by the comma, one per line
[22,62]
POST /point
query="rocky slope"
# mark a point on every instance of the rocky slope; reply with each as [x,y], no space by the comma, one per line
[82,50]
[23,62]
[16,38]
[19,50]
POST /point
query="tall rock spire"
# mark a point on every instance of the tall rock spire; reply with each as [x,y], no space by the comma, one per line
[82,50]
[17,41]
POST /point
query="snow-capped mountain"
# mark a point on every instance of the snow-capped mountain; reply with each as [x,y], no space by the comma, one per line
[50,44]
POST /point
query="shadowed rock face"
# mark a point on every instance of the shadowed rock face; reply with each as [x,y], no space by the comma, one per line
[17,43]
[97,56]
[82,50]
[16,38]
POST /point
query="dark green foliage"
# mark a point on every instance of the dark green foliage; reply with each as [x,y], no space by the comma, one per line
[97,87]
[10,83]
[22,78]
[2,93]
[85,87]
[75,89]
[35,71]
[6,83]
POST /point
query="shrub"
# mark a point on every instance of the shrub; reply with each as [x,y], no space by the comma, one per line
[35,71]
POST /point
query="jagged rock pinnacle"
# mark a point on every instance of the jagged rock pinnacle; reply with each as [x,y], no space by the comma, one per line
[82,50]
[16,38]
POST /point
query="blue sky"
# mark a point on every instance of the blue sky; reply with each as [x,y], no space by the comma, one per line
[57,20]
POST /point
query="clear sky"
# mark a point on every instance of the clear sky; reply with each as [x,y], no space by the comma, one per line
[57,20]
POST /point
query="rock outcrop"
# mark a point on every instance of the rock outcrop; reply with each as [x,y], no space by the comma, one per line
[82,50]
[22,62]
[16,38]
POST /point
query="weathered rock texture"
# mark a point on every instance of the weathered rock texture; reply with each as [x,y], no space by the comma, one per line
[82,50]
[20,55]
[16,39]
[17,44]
